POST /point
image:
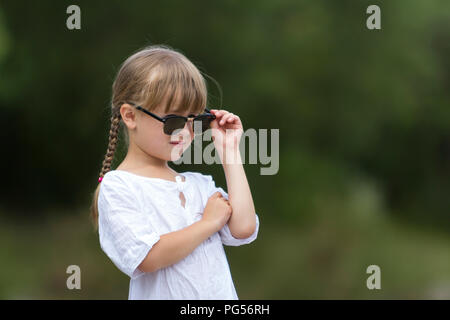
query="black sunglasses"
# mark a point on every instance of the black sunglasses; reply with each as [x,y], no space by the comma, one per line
[173,122]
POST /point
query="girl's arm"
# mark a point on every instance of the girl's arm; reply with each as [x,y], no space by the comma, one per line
[242,223]
[227,130]
[176,245]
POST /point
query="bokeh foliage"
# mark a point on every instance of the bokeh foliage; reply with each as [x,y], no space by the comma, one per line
[364,124]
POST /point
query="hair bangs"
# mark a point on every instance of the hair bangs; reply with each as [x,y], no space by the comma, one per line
[177,87]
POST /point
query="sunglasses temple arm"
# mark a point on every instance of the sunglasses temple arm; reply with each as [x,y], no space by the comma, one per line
[209,111]
[150,114]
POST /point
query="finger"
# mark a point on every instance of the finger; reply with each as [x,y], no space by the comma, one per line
[225,118]
[220,113]
[232,118]
[215,124]
[217,194]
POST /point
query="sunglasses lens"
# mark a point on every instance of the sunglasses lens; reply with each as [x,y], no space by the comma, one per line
[206,123]
[173,124]
[202,122]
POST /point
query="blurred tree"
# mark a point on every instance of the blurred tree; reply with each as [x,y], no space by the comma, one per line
[371,105]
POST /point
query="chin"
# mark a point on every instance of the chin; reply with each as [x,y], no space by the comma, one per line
[176,153]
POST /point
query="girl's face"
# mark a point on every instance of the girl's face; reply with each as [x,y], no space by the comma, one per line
[149,136]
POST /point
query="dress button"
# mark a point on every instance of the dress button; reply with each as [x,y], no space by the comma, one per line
[180,183]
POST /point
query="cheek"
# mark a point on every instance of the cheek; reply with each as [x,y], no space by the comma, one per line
[155,142]
[152,137]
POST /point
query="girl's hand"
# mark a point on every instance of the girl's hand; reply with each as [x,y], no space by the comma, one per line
[217,211]
[227,131]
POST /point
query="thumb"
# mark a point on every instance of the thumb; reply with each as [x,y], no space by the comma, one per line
[214,124]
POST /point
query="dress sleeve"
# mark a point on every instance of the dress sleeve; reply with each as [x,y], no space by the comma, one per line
[125,232]
[225,233]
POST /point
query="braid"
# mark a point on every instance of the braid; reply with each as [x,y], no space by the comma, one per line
[113,139]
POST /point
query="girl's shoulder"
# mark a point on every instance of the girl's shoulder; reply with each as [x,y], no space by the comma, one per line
[198,177]
[124,177]
[204,181]
[114,182]
[114,176]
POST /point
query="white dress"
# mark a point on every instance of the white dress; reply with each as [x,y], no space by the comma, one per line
[134,211]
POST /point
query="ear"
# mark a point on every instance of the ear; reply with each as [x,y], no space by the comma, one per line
[128,114]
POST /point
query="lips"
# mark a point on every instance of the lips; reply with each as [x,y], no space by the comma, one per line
[177,142]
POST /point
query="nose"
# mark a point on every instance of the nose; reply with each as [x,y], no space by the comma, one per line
[195,126]
[190,123]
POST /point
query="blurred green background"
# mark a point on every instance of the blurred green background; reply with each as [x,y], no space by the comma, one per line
[364,124]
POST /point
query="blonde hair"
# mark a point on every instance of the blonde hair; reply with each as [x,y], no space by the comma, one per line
[146,78]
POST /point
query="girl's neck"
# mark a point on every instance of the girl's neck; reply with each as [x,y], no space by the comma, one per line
[139,162]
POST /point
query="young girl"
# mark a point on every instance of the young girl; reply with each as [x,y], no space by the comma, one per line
[164,229]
